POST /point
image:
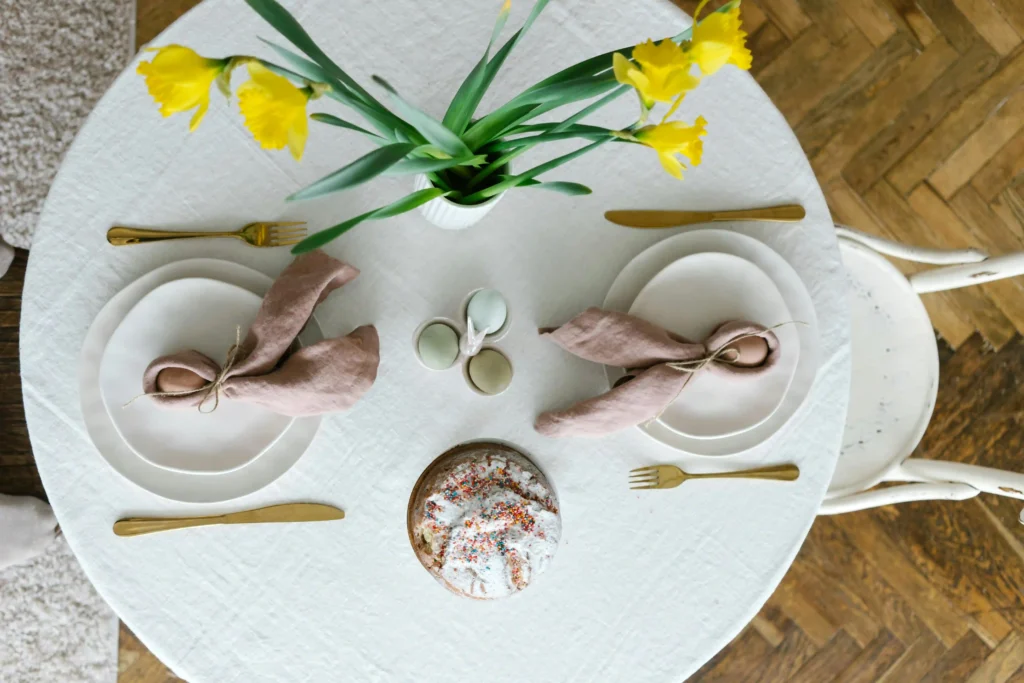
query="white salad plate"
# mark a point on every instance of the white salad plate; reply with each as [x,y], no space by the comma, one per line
[191,313]
[646,265]
[188,487]
[691,297]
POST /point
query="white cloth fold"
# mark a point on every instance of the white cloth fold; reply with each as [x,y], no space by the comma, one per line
[27,527]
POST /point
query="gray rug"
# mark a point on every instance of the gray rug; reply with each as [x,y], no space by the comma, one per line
[57,58]
[54,627]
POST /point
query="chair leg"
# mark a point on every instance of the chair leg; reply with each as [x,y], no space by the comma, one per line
[987,479]
[952,277]
[897,494]
[888,247]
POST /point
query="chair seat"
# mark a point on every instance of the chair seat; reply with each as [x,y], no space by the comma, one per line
[895,371]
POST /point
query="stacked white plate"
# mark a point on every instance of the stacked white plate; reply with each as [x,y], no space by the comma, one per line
[691,283]
[184,455]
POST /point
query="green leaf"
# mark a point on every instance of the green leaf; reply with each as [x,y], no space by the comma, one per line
[343,86]
[427,165]
[490,126]
[502,145]
[333,120]
[466,101]
[359,171]
[429,127]
[601,63]
[572,90]
[460,111]
[311,71]
[406,203]
[282,20]
[557,186]
[532,104]
[512,181]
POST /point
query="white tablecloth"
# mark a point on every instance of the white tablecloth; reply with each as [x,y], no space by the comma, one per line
[643,588]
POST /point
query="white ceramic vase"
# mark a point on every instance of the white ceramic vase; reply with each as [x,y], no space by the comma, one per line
[448,215]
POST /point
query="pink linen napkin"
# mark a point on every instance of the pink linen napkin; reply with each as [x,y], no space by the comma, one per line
[327,376]
[648,352]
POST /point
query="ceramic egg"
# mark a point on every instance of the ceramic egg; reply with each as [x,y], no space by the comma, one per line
[438,346]
[488,310]
[490,372]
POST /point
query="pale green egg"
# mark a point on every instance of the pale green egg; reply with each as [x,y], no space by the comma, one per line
[490,371]
[438,346]
[488,311]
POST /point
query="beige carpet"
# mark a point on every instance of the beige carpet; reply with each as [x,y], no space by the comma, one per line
[57,58]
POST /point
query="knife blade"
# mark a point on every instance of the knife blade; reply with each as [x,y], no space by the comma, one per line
[288,512]
[671,219]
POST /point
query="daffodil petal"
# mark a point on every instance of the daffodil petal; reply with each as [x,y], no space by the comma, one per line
[274,110]
[179,80]
[198,116]
[621,67]
[671,165]
[297,137]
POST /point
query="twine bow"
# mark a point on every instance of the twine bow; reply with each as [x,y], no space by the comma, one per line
[210,388]
[696,365]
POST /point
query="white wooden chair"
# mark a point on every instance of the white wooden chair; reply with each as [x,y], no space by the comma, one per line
[896,377]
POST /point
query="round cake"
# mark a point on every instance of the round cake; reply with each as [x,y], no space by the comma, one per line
[484,521]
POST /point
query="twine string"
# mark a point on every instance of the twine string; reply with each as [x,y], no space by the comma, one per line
[210,389]
[697,364]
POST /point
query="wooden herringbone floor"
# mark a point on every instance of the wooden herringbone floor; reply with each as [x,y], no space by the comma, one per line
[912,112]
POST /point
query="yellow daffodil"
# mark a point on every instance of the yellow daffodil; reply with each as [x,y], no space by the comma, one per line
[274,110]
[180,80]
[718,40]
[661,72]
[672,138]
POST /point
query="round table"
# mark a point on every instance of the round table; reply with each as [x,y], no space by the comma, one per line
[645,587]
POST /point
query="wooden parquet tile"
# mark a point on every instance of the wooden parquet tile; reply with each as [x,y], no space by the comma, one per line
[912,113]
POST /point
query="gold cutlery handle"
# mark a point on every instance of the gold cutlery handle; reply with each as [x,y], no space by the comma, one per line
[787,212]
[121,236]
[149,525]
[774,473]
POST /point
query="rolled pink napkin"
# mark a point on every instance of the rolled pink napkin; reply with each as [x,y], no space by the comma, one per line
[327,376]
[659,366]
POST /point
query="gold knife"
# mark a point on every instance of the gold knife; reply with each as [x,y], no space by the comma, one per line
[671,219]
[290,512]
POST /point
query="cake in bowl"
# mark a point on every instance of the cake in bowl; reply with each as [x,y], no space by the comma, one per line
[483,520]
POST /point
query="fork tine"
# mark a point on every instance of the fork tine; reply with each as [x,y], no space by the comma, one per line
[277,239]
[287,243]
[287,232]
[643,488]
[283,224]
[652,468]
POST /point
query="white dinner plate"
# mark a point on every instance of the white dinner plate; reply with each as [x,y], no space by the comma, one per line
[648,263]
[183,486]
[191,313]
[691,297]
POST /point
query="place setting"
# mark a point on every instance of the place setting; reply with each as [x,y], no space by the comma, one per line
[204,380]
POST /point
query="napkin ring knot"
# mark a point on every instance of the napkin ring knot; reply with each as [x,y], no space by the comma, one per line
[210,389]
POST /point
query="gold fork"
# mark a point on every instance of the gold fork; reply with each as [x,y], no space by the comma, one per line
[260,234]
[670,476]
